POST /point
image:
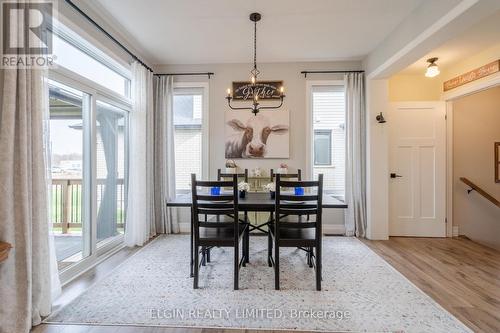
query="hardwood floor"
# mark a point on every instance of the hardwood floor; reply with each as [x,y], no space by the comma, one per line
[462,276]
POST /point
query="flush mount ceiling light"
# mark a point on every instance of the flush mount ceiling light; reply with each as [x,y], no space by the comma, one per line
[432,69]
[256,107]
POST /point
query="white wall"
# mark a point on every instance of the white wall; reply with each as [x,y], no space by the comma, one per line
[377,182]
[295,101]
[476,126]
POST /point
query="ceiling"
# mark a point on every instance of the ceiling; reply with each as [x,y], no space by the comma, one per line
[219,31]
[480,37]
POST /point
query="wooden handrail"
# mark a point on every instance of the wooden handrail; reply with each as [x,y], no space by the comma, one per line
[479,190]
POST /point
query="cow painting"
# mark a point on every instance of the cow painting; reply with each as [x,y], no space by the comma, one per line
[257,136]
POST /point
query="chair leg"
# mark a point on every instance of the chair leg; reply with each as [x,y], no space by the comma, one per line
[276,267]
[236,266]
[203,256]
[310,257]
[247,237]
[195,268]
[318,268]
[244,250]
[269,249]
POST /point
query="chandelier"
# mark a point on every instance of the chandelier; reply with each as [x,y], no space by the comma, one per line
[256,106]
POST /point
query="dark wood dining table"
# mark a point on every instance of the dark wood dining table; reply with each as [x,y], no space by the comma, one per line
[253,202]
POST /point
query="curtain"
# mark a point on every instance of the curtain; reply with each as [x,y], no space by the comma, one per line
[25,288]
[55,282]
[164,155]
[355,217]
[140,224]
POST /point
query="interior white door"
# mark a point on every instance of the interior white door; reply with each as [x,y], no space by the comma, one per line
[417,165]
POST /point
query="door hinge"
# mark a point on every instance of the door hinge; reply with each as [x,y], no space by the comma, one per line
[445,117]
[445,220]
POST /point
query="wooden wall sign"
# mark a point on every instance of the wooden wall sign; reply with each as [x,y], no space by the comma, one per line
[476,74]
[243,91]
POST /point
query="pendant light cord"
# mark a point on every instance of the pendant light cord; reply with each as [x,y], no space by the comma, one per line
[255,48]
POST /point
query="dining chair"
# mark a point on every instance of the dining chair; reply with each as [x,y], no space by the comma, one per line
[288,176]
[297,175]
[208,234]
[222,175]
[304,235]
[241,176]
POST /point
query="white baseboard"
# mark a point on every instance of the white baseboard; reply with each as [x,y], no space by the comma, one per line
[328,229]
[454,232]
[333,229]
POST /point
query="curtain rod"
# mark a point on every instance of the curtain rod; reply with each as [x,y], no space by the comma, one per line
[209,74]
[94,23]
[330,72]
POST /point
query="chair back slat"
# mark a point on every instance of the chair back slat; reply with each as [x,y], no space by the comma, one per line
[298,212]
[221,211]
[288,183]
[294,225]
[307,197]
[214,183]
[214,198]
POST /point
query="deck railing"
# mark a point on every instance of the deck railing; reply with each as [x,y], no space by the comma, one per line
[66,202]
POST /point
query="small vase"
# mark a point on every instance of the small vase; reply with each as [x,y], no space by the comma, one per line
[243,194]
[231,170]
[273,194]
[282,171]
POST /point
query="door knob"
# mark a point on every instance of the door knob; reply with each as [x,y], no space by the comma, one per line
[394,175]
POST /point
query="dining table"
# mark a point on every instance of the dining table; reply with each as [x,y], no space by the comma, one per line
[252,202]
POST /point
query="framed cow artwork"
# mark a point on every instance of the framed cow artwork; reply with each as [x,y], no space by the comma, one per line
[264,135]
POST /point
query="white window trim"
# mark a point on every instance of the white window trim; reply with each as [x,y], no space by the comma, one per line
[310,84]
[205,124]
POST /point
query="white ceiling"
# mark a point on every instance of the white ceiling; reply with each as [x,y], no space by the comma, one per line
[219,31]
[480,37]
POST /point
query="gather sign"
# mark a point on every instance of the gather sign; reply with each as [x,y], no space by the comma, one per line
[243,91]
[476,74]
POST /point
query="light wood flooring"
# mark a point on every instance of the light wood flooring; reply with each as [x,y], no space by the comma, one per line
[462,276]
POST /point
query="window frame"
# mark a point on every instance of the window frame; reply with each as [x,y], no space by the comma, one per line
[310,84]
[93,51]
[330,146]
[205,123]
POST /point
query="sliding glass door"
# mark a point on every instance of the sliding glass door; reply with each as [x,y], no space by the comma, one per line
[69,114]
[111,160]
[88,144]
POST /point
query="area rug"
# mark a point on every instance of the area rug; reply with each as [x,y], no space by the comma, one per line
[361,292]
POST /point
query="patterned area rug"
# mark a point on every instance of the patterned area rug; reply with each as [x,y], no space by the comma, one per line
[361,292]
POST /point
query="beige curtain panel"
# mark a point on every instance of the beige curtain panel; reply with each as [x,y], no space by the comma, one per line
[25,290]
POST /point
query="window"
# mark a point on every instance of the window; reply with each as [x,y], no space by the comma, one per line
[77,55]
[328,130]
[190,135]
[322,147]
